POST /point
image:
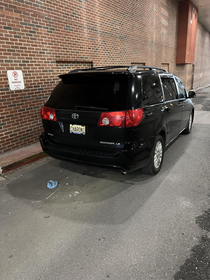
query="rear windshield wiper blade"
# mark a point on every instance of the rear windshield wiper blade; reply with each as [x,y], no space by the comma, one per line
[91,108]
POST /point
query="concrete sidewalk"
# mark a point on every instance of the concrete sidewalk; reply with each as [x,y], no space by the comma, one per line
[19,157]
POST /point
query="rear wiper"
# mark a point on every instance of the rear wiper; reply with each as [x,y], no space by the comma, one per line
[91,108]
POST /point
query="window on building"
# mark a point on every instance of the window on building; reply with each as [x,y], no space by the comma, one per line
[137,63]
[165,66]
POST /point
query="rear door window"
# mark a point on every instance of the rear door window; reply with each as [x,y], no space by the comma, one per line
[169,88]
[90,92]
[152,92]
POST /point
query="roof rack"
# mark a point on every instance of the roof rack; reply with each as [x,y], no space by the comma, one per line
[98,68]
[131,69]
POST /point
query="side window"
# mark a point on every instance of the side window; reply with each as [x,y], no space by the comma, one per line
[152,92]
[169,88]
[181,89]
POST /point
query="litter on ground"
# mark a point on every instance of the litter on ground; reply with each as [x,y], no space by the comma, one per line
[52,184]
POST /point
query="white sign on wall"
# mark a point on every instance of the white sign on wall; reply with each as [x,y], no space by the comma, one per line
[15,78]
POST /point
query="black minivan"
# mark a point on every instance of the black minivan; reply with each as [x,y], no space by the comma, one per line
[116,116]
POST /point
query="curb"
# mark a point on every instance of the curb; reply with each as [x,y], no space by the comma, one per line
[200,88]
[21,163]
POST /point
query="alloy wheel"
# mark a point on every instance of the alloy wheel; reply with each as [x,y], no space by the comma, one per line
[158,154]
[190,122]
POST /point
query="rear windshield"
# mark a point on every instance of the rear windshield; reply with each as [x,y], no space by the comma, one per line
[98,92]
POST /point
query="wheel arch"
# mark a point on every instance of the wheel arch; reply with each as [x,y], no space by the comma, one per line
[162,133]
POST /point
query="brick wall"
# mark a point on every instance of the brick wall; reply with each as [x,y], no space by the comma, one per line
[46,38]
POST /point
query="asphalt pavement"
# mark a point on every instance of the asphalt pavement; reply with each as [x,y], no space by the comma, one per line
[98,224]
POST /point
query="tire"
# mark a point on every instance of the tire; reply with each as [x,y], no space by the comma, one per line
[156,158]
[189,124]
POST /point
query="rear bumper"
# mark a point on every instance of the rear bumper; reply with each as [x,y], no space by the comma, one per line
[127,160]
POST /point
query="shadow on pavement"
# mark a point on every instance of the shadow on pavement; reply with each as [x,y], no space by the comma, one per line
[91,194]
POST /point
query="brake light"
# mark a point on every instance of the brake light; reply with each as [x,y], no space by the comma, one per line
[134,117]
[48,114]
[128,118]
[112,119]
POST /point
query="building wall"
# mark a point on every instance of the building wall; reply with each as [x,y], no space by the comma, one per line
[45,38]
[202,57]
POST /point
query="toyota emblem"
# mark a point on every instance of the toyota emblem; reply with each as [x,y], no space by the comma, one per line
[75,116]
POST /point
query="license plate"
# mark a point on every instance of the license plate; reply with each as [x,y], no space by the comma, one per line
[77,129]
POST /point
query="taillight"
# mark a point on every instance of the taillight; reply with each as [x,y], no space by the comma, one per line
[48,114]
[134,117]
[112,119]
[128,118]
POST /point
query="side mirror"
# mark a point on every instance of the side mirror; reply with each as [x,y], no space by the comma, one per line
[191,94]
